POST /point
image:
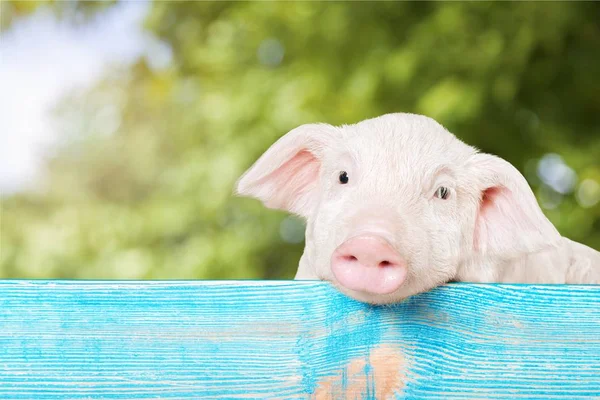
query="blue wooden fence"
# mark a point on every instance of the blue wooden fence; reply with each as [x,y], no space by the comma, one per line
[295,340]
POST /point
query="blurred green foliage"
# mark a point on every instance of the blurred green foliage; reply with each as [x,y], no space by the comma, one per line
[142,187]
[75,12]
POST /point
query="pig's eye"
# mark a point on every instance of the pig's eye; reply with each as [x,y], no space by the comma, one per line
[442,193]
[343,177]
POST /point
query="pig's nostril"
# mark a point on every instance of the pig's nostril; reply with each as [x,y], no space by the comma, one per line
[350,258]
[385,264]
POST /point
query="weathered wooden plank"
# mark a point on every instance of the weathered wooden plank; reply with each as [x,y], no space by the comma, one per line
[284,340]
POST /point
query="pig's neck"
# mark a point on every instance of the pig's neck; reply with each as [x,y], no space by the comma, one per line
[568,262]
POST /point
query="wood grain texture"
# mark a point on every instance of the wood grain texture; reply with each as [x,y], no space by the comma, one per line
[294,340]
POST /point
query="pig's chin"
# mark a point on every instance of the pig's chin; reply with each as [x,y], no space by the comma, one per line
[370,298]
[406,291]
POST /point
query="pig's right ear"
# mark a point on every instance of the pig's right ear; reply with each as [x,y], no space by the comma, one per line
[286,176]
[509,221]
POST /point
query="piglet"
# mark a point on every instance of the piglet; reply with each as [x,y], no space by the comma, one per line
[397,205]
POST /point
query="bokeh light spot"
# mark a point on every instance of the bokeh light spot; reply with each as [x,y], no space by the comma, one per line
[549,198]
[107,120]
[291,230]
[588,193]
[270,52]
[553,171]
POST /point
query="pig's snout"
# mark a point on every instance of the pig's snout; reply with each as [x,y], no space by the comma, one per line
[368,263]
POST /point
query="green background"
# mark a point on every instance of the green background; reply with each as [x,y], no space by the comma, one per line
[153,200]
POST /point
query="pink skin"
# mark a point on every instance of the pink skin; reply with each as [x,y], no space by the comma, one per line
[368,263]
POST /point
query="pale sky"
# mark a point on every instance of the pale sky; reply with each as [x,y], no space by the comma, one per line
[41,60]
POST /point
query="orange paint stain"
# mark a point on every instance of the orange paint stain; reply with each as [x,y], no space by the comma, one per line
[383,380]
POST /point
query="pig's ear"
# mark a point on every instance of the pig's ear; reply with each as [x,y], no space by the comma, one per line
[509,221]
[286,176]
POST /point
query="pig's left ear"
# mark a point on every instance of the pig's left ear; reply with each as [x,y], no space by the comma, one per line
[509,221]
[286,176]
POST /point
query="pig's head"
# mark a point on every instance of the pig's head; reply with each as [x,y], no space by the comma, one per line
[397,205]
